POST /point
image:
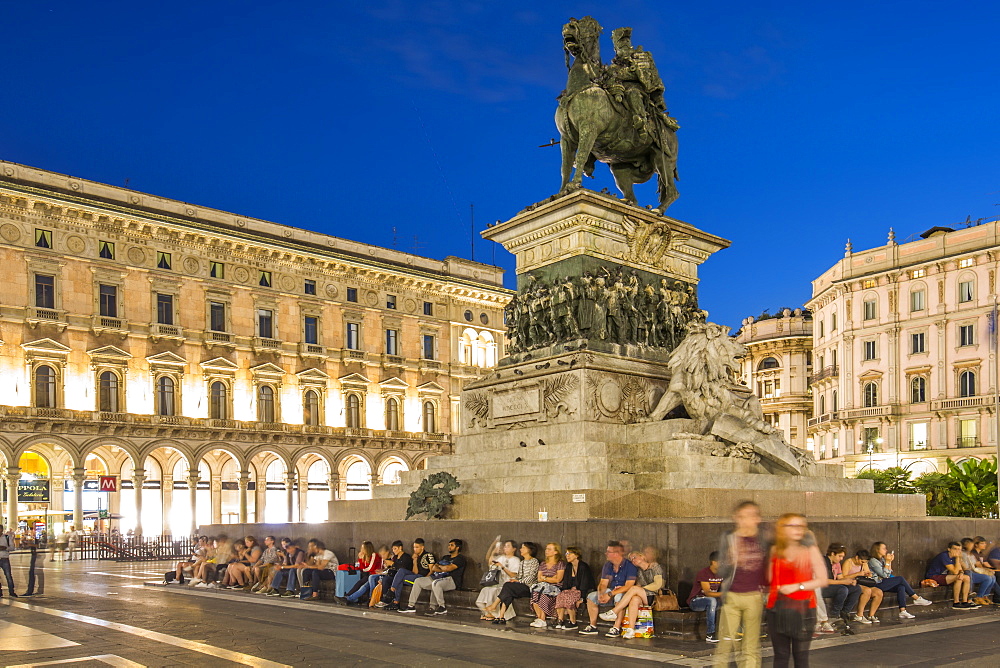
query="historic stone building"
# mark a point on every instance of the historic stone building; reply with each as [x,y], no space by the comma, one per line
[777,367]
[221,368]
[905,354]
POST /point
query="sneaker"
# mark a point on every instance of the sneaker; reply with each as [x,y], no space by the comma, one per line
[588,630]
[381,604]
[210,585]
[862,620]
[194,581]
[712,637]
[920,600]
[441,611]
[825,627]
[202,585]
[609,616]
[628,633]
[287,594]
[266,591]
[256,588]
[539,624]
[406,610]
[559,626]
[392,607]
[614,632]
[570,626]
[959,605]
[903,614]
[874,620]
[972,605]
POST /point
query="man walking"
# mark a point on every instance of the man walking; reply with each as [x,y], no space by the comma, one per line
[742,560]
[6,545]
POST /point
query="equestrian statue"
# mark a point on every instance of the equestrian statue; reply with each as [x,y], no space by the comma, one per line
[614,114]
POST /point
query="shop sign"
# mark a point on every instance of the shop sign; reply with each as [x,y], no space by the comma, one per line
[31,491]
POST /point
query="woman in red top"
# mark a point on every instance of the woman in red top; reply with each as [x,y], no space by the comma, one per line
[795,571]
[369,563]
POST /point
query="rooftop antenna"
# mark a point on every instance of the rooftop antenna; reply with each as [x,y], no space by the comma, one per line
[395,247]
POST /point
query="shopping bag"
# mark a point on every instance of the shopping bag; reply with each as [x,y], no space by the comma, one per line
[644,622]
[376,595]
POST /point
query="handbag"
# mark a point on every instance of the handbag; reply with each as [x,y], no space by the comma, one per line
[665,601]
[546,588]
[791,617]
[376,595]
[491,578]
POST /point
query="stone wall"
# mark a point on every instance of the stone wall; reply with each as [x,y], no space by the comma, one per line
[684,545]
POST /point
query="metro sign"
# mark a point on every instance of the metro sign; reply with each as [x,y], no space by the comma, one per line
[109,483]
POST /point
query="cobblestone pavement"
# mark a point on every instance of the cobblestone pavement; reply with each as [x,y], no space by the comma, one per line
[101,613]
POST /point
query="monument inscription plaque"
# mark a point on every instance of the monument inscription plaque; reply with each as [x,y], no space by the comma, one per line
[516,402]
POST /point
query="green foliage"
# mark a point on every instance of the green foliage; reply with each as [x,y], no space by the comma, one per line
[894,480]
[968,489]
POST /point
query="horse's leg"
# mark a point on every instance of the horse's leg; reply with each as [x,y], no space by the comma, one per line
[568,151]
[666,171]
[624,181]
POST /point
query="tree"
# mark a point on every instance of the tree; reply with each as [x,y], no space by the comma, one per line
[893,480]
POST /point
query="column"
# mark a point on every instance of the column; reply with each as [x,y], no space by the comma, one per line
[79,475]
[216,493]
[303,498]
[243,480]
[13,475]
[138,479]
[290,494]
[334,481]
[192,481]
[260,498]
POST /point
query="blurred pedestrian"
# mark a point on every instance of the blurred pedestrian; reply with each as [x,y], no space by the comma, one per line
[6,545]
[742,556]
[36,568]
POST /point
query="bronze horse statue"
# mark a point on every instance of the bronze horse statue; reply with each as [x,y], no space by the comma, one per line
[595,126]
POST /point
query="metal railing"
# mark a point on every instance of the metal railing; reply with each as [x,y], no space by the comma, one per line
[134,548]
[967,442]
[831,371]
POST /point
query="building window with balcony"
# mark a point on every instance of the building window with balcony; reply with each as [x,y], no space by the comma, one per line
[352,295]
[107,392]
[768,363]
[870,394]
[967,335]
[353,411]
[967,384]
[218,401]
[833,322]
[217,270]
[966,291]
[353,336]
[309,287]
[918,343]
[835,448]
[43,239]
[918,301]
[821,329]
[918,390]
[163,260]
[430,418]
[870,351]
[265,403]
[164,309]
[265,279]
[45,387]
[217,316]
[968,436]
[428,308]
[106,250]
[392,416]
[108,300]
[310,329]
[833,400]
[390,301]
[871,440]
[166,396]
[822,404]
[870,309]
[265,323]
[45,291]
[391,342]
[918,436]
[428,347]
[310,408]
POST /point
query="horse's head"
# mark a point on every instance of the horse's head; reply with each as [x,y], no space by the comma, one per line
[581,39]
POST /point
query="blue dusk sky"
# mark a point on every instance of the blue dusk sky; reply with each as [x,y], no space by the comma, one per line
[803,124]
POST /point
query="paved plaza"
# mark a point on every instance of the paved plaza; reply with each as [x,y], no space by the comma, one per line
[102,613]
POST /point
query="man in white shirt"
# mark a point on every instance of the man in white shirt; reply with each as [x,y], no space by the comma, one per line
[321,564]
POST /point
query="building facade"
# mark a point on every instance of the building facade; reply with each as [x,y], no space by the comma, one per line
[219,368]
[905,354]
[778,366]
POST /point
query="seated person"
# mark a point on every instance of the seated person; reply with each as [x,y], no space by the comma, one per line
[617,576]
[842,589]
[503,557]
[286,573]
[544,592]
[857,567]
[396,560]
[706,595]
[993,557]
[369,563]
[647,585]
[502,609]
[946,569]
[445,575]
[981,575]
[367,586]
[240,572]
[261,572]
[422,562]
[188,566]
[577,582]
[880,564]
[321,564]
[203,569]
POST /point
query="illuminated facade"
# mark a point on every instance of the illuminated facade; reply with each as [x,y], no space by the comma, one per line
[906,370]
[221,368]
[777,367]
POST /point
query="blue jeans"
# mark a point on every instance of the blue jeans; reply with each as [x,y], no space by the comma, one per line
[365,588]
[284,578]
[984,582]
[709,606]
[5,567]
[897,584]
[398,580]
[314,576]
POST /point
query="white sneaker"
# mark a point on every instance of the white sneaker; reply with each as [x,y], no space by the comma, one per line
[201,585]
[194,581]
[920,600]
[539,624]
[609,616]
[903,614]
[861,620]
[380,604]
[628,633]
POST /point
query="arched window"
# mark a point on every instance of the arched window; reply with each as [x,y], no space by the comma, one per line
[465,347]
[967,384]
[45,387]
[870,394]
[822,404]
[310,408]
[392,414]
[165,404]
[353,411]
[768,363]
[833,402]
[391,472]
[107,392]
[265,403]
[218,401]
[430,419]
[918,390]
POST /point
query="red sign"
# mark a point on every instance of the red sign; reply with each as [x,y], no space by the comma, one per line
[109,483]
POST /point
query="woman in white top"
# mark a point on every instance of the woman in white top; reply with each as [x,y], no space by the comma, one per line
[508,562]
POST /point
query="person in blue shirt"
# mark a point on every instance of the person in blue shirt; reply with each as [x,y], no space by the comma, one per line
[946,569]
[617,577]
